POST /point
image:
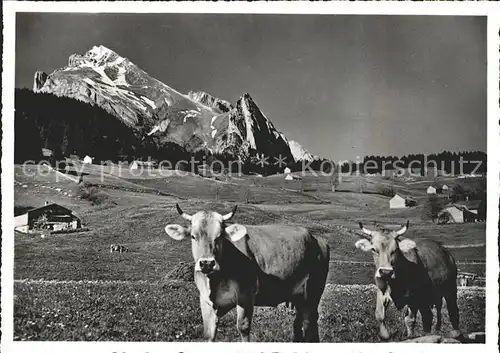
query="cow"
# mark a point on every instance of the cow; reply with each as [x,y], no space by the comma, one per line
[246,266]
[117,248]
[412,274]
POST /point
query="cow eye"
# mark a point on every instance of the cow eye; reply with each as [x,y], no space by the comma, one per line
[375,251]
[193,237]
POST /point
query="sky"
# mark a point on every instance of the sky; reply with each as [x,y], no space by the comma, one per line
[343,86]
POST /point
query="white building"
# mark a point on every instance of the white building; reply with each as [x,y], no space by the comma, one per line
[288,177]
[445,188]
[87,159]
[287,170]
[397,202]
[431,190]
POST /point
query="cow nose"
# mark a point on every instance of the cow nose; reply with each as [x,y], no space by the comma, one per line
[207,266]
[386,272]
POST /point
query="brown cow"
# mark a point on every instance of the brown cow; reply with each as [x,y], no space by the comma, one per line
[416,274]
[246,266]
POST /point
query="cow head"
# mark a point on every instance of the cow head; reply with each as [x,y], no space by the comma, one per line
[208,231]
[386,247]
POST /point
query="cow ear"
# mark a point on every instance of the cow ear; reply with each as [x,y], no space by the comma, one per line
[176,231]
[406,245]
[364,244]
[236,232]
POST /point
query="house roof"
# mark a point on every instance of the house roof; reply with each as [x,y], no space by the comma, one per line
[51,205]
[460,207]
[471,205]
[397,197]
[144,162]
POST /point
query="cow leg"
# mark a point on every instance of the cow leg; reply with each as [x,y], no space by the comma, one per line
[383,302]
[439,305]
[451,305]
[427,316]
[310,324]
[410,320]
[244,319]
[210,320]
[298,335]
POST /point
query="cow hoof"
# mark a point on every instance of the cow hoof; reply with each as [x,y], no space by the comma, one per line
[455,334]
[383,333]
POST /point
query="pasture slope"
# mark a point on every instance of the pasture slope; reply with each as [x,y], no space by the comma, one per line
[69,287]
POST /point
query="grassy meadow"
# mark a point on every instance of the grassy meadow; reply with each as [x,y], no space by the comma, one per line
[70,287]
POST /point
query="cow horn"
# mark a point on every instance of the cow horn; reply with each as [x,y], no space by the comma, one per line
[182,213]
[403,229]
[365,231]
[230,215]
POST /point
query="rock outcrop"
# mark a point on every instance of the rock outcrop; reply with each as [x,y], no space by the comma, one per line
[39,80]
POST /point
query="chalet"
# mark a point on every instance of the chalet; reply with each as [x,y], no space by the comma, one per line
[287,170]
[87,159]
[142,165]
[397,202]
[51,216]
[431,190]
[456,213]
[205,171]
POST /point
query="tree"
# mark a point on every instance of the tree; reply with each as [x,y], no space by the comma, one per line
[481,211]
[432,207]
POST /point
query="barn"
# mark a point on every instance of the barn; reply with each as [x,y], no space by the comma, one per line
[46,152]
[142,165]
[397,202]
[456,213]
[49,217]
[87,159]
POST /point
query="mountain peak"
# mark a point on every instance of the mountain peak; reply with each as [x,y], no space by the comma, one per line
[207,99]
[100,53]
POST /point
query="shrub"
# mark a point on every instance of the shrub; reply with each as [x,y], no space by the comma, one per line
[93,194]
[432,207]
[386,191]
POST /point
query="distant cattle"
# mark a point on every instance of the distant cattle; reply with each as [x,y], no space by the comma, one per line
[246,266]
[416,274]
[118,248]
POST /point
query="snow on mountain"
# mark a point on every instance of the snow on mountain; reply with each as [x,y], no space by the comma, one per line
[195,121]
[299,153]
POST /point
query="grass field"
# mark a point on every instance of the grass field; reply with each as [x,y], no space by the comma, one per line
[145,311]
[138,305]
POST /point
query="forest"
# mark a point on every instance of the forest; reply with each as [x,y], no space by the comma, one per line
[71,127]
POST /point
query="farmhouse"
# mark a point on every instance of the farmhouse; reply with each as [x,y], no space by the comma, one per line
[87,159]
[142,165]
[431,190]
[287,170]
[397,202]
[46,152]
[49,217]
[456,213]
